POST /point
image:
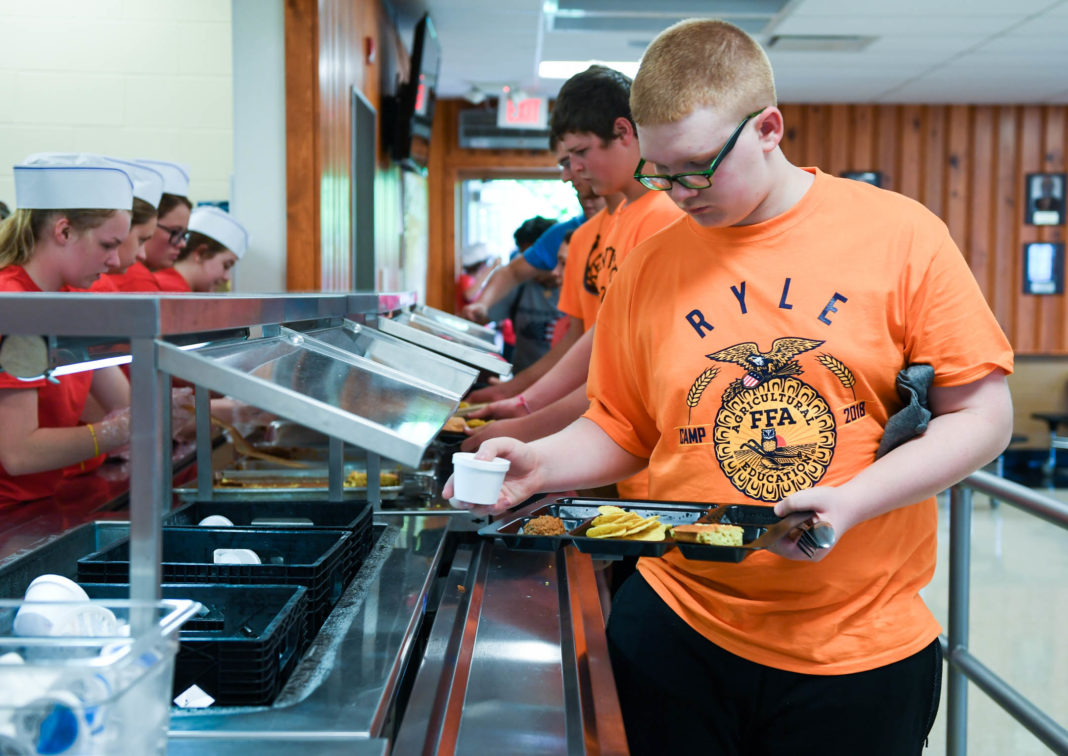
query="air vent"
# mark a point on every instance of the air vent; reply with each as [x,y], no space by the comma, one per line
[639,16]
[818,43]
[479,131]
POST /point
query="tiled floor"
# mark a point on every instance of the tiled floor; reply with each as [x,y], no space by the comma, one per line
[1019,621]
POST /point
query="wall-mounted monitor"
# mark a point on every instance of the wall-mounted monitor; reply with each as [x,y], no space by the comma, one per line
[411,111]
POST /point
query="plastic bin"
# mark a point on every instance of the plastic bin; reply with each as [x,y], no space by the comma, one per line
[241,647]
[318,514]
[79,695]
[319,560]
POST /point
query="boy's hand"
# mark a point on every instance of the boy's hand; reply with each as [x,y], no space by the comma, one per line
[492,393]
[521,482]
[497,429]
[831,505]
[476,312]
[502,408]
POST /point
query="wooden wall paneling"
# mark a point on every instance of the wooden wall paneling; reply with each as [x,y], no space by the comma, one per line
[886,125]
[910,161]
[817,131]
[1005,284]
[958,170]
[862,138]
[932,193]
[1054,139]
[1026,333]
[441,262]
[791,116]
[982,190]
[840,136]
[302,147]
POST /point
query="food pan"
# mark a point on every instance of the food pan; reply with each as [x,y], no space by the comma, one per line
[578,513]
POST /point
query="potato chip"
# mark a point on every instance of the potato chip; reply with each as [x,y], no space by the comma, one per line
[656,534]
[620,518]
[605,531]
[641,527]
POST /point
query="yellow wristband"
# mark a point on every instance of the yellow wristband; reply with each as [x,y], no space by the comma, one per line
[96,444]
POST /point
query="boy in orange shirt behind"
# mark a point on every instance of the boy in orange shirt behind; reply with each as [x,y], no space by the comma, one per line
[748,354]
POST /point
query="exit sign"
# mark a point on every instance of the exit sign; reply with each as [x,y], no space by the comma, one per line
[526,113]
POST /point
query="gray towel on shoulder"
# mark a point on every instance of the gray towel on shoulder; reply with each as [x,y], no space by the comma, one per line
[911,420]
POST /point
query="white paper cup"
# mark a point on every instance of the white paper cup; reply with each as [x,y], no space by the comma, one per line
[47,606]
[216,521]
[236,556]
[478,481]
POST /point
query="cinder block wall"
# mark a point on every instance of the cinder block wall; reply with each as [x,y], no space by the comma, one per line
[129,78]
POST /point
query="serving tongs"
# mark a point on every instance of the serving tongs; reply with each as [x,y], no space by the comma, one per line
[815,534]
[242,446]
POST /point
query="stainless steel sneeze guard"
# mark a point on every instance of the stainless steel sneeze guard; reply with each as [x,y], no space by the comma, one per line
[445,341]
[338,393]
[400,355]
[486,336]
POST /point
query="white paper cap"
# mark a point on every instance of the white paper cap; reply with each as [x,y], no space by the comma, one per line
[474,253]
[220,226]
[175,175]
[147,182]
[49,181]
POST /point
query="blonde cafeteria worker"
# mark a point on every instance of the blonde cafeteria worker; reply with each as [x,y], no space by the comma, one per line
[71,217]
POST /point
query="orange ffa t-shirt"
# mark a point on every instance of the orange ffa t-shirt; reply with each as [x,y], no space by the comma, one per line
[169,279]
[751,362]
[59,405]
[600,257]
[584,242]
[136,278]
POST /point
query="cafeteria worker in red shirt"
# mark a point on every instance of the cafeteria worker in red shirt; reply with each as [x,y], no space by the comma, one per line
[216,242]
[171,232]
[147,191]
[71,216]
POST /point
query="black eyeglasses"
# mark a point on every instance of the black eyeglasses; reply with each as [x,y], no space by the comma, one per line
[698,180]
[175,235]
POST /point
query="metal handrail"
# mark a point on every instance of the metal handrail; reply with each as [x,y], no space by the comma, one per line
[963,666]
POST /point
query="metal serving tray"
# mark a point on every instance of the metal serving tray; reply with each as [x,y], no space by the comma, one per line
[285,483]
[578,513]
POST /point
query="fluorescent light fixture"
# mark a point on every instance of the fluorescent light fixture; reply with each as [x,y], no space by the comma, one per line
[81,367]
[565,69]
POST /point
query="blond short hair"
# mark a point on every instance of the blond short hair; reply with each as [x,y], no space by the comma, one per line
[701,63]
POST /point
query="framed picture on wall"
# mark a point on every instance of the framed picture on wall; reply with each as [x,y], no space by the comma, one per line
[1045,199]
[1043,268]
[868,177]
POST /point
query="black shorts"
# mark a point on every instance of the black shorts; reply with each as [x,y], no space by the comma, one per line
[682,694]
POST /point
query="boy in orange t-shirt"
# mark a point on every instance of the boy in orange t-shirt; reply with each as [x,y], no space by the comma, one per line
[591,121]
[749,355]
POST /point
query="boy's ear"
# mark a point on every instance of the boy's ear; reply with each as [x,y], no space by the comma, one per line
[624,130]
[771,127]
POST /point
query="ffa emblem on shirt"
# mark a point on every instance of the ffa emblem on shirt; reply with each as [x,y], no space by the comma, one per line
[600,269]
[774,434]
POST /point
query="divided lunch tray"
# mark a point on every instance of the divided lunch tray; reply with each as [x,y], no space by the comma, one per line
[577,515]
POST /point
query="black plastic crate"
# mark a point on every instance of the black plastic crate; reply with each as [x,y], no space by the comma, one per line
[324,515]
[243,645]
[320,560]
[314,514]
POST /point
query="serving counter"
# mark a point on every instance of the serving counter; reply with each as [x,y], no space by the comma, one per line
[445,641]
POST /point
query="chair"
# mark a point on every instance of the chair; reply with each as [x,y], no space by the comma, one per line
[1056,441]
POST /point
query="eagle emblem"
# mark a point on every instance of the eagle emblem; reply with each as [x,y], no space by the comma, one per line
[761,366]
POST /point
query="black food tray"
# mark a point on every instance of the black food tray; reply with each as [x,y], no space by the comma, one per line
[577,515]
[243,645]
